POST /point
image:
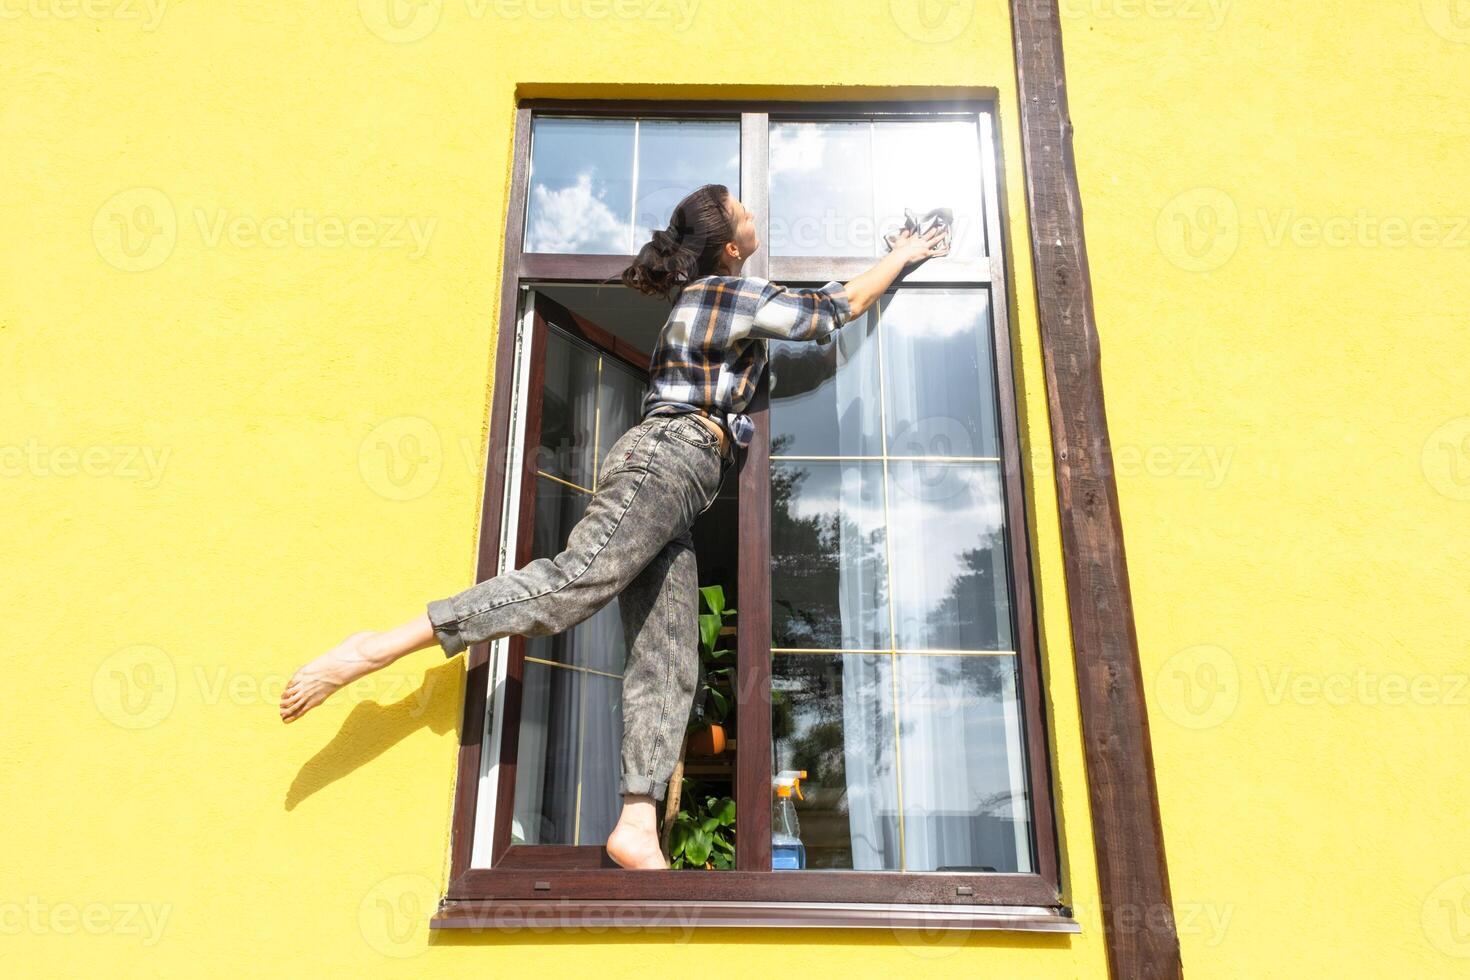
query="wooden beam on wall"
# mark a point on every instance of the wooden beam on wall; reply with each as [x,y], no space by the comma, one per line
[1138,918]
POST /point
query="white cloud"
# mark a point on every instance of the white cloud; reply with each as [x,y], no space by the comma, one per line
[573,219]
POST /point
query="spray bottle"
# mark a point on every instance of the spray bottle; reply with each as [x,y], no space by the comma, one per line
[787,850]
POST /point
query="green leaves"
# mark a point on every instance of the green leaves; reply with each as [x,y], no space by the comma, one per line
[704,834]
[718,681]
[714,600]
[709,633]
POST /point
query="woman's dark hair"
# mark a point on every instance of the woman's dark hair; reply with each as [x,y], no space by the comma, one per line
[688,248]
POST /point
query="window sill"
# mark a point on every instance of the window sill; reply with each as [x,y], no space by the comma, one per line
[512,915]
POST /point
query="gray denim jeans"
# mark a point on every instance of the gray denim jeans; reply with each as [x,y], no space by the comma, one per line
[633,542]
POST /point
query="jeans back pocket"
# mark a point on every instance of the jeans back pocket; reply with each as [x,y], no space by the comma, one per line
[630,452]
[687,429]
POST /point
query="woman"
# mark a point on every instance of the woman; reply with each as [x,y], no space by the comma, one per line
[634,541]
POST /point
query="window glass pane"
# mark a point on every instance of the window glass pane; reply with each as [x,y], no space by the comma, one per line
[546,763]
[940,386]
[927,164]
[571,736]
[881,168]
[602,740]
[959,760]
[812,211]
[947,527]
[832,715]
[568,411]
[824,397]
[828,585]
[962,765]
[620,398]
[596,642]
[581,186]
[675,157]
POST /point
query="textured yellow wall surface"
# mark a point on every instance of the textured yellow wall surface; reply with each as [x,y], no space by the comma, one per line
[1277,207]
[249,282]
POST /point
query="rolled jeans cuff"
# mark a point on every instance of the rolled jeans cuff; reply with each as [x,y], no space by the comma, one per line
[445,620]
[639,785]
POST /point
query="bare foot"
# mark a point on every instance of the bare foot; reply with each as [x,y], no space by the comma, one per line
[633,847]
[633,843]
[315,682]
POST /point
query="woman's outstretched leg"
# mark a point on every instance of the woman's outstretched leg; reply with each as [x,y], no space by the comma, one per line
[654,484]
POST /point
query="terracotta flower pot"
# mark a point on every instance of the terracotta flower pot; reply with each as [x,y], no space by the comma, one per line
[708,741]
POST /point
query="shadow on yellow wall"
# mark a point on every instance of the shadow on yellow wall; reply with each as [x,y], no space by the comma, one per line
[372,729]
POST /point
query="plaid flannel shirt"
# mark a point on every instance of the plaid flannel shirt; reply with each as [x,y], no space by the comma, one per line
[711,351]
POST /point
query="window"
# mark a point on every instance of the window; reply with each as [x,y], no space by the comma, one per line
[874,541]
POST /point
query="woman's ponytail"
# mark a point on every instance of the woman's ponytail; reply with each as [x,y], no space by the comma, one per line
[688,248]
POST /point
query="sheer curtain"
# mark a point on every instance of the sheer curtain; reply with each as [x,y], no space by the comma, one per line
[862,598]
[963,793]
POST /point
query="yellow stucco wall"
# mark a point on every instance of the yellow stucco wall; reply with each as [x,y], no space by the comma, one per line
[1278,222]
[252,422]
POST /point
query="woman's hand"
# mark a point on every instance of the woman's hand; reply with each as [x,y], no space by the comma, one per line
[909,249]
[916,248]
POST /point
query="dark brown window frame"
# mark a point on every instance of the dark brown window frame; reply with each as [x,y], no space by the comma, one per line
[575,880]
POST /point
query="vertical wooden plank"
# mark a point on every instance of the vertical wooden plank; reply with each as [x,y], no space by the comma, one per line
[1137,910]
